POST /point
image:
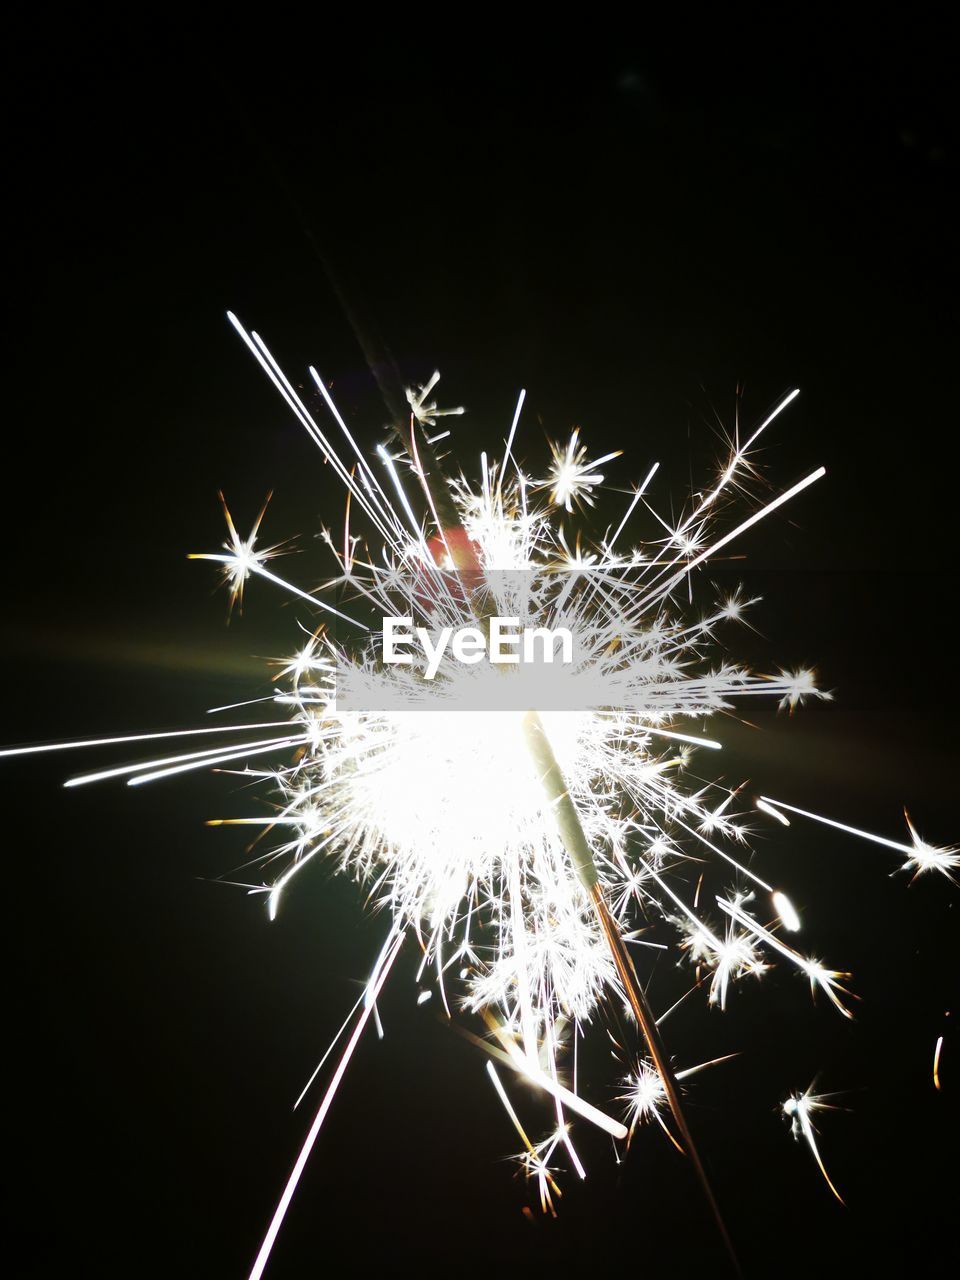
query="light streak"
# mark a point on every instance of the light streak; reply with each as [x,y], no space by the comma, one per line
[768,809]
[920,855]
[798,1108]
[211,756]
[737,458]
[244,753]
[636,498]
[786,911]
[513,431]
[276,1221]
[532,1155]
[531,1071]
[766,510]
[252,566]
[821,978]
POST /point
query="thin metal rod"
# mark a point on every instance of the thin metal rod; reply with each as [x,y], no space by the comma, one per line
[651,1033]
[578,848]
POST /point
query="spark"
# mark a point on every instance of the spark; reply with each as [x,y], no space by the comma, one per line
[242,557]
[786,911]
[921,856]
[820,977]
[798,1109]
[245,565]
[243,753]
[633,502]
[574,476]
[426,413]
[731,957]
[202,759]
[646,1097]
[533,1160]
[534,1073]
[768,809]
[373,989]
[513,431]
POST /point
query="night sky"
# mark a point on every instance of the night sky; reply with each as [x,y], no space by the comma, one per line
[639,227]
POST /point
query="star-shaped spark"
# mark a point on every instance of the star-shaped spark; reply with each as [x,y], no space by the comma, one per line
[800,687]
[930,857]
[646,1096]
[426,413]
[730,957]
[920,855]
[243,557]
[573,476]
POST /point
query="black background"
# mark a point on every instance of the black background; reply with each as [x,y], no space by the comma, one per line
[632,225]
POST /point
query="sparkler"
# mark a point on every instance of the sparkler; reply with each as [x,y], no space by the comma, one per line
[516,845]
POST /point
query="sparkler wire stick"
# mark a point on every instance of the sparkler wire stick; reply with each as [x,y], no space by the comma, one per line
[574,840]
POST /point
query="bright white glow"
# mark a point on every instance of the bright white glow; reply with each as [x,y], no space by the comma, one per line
[764,807]
[139,737]
[786,911]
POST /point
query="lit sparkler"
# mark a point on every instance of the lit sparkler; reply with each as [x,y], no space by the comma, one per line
[516,845]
